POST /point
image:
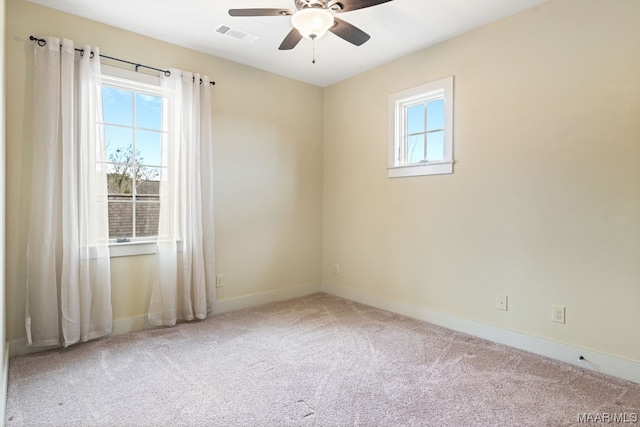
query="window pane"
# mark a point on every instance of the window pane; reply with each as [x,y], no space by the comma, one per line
[415,148]
[120,217]
[148,181]
[148,147]
[435,146]
[148,111]
[147,216]
[118,143]
[420,134]
[117,105]
[134,158]
[435,114]
[120,178]
[415,118]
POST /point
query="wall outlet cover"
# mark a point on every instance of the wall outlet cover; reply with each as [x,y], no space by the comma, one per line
[502,302]
[558,313]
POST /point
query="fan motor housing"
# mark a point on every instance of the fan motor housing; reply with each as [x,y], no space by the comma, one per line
[324,4]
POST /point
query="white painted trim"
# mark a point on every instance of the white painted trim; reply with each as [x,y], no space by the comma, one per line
[237,303]
[600,362]
[440,89]
[4,346]
[132,248]
[137,81]
[431,168]
[140,323]
[4,383]
[17,347]
[131,324]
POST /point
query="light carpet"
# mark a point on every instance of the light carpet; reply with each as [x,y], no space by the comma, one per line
[312,361]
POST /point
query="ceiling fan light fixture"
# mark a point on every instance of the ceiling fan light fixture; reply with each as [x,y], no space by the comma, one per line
[312,22]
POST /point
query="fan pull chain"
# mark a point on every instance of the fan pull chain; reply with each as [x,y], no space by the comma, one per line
[313,42]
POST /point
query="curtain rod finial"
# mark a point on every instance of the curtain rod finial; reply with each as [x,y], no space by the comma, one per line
[41,42]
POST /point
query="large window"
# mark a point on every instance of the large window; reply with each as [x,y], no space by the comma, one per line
[421,130]
[134,140]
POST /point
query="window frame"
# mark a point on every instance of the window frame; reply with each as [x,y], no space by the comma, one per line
[398,103]
[140,83]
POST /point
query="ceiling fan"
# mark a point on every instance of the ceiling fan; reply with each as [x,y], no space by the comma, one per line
[313,18]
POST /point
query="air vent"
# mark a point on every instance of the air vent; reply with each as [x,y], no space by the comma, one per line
[236,34]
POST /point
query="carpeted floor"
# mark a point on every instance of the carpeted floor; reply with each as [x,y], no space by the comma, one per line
[313,361]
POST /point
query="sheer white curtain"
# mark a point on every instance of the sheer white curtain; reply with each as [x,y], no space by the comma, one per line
[184,284]
[68,272]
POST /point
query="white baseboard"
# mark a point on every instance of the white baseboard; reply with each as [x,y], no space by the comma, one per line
[607,364]
[140,323]
[17,347]
[237,303]
[4,383]
[131,324]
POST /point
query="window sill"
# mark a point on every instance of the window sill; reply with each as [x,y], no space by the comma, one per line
[432,168]
[132,249]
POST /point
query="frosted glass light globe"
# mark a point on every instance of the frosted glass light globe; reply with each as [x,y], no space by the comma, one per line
[312,23]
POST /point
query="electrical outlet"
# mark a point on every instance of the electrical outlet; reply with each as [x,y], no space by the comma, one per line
[502,302]
[219,282]
[558,313]
[336,268]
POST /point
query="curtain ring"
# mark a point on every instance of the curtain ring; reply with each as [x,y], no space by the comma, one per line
[92,55]
[167,73]
[41,42]
[81,52]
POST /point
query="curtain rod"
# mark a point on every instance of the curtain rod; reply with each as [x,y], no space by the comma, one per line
[167,73]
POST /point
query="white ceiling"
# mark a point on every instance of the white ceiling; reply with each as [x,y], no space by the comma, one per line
[397,28]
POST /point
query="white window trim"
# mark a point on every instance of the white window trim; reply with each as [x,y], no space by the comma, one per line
[135,80]
[138,248]
[442,88]
[143,83]
[132,248]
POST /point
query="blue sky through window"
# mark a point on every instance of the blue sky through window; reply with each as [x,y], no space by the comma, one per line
[425,131]
[148,111]
[121,122]
[117,105]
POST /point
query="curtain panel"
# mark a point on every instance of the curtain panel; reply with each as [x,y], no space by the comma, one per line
[68,269]
[184,283]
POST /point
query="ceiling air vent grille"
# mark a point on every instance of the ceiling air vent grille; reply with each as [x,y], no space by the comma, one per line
[236,34]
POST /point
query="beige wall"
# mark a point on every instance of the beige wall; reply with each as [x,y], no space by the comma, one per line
[268,161]
[544,202]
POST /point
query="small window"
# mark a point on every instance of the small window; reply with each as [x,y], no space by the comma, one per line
[134,140]
[421,130]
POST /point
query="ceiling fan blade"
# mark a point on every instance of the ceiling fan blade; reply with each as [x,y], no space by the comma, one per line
[349,32]
[291,40]
[260,12]
[349,5]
